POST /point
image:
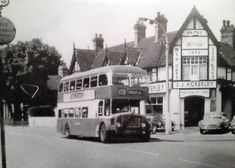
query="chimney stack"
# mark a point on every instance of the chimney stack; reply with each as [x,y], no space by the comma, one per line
[158,30]
[98,42]
[228,34]
[139,32]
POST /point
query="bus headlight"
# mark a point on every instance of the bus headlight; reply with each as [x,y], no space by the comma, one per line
[118,124]
[143,125]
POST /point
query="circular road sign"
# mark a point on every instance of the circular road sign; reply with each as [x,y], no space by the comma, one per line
[4,2]
[7,31]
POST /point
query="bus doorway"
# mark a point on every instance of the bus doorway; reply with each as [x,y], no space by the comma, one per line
[193,110]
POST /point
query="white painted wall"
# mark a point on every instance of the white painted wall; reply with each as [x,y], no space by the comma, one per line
[42,122]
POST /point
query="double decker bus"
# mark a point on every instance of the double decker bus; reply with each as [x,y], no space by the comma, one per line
[104,102]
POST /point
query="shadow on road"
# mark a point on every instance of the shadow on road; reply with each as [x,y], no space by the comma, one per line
[118,140]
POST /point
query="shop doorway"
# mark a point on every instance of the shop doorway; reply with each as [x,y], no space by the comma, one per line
[193,110]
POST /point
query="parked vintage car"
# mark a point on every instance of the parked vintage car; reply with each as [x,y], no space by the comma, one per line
[157,121]
[232,125]
[214,121]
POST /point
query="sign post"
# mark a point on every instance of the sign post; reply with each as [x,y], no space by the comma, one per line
[7,34]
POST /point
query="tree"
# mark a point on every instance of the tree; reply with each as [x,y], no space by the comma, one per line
[27,62]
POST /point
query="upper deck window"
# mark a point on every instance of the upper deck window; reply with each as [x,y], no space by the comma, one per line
[93,81]
[103,80]
[66,87]
[61,87]
[86,82]
[72,85]
[121,80]
[79,84]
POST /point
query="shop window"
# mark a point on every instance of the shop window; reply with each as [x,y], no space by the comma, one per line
[229,74]
[154,105]
[103,80]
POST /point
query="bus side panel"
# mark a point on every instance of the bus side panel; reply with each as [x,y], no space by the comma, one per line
[85,127]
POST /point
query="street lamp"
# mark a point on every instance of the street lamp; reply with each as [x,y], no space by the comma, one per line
[167,112]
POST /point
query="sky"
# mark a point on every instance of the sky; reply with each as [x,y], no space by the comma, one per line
[61,23]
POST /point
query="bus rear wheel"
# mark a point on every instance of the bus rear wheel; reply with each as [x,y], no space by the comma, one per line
[67,131]
[103,134]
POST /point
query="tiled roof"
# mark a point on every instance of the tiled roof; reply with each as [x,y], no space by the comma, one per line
[153,53]
[116,55]
[227,54]
[84,57]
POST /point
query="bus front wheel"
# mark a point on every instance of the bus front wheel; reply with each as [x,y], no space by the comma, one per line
[103,134]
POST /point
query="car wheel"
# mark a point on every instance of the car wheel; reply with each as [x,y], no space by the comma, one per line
[103,134]
[67,131]
[233,131]
[146,137]
[202,131]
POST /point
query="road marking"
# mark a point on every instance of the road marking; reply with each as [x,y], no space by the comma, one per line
[198,163]
[140,151]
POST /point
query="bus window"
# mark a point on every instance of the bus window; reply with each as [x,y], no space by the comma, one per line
[86,82]
[65,113]
[79,84]
[61,87]
[72,85]
[103,80]
[93,81]
[84,112]
[71,112]
[66,87]
[107,107]
[100,108]
[59,113]
[121,80]
[77,112]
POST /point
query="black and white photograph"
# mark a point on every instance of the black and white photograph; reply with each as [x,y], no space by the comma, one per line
[117,83]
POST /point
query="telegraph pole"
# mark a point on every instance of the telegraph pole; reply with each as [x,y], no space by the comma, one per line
[7,34]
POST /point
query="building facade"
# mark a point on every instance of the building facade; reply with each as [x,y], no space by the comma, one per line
[201,69]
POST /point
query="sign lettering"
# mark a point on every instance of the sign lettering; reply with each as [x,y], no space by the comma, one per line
[177,63]
[212,62]
[194,33]
[78,96]
[194,42]
[194,84]
[193,92]
[194,52]
[7,31]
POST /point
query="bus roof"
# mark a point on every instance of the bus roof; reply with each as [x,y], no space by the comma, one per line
[106,69]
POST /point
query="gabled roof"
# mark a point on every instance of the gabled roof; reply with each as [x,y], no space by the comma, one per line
[153,53]
[194,14]
[84,57]
[116,55]
[227,55]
